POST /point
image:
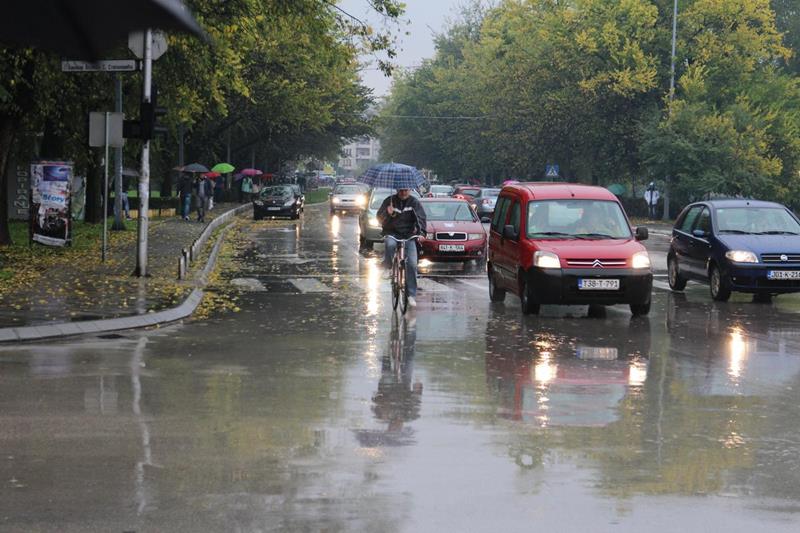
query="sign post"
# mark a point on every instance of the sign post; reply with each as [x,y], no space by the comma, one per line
[105,129]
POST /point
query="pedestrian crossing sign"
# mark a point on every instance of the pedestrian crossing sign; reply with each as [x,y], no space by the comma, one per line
[551,171]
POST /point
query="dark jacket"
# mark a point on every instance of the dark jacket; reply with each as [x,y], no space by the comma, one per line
[410,220]
[186,186]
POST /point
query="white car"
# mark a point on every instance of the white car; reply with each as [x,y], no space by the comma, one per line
[349,197]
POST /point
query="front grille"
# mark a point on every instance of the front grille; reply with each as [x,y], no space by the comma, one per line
[597,263]
[455,236]
[776,258]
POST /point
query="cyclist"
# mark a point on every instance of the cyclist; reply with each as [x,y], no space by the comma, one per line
[401,216]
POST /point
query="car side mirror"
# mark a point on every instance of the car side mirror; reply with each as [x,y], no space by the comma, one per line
[641,233]
[509,232]
[699,233]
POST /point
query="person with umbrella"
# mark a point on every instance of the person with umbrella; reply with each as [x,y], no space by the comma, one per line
[401,215]
[203,191]
[186,188]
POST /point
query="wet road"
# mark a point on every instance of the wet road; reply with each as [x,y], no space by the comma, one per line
[313,410]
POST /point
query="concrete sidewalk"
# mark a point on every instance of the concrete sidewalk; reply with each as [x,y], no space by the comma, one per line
[76,287]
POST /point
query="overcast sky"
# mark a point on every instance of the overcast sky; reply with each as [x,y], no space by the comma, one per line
[422,19]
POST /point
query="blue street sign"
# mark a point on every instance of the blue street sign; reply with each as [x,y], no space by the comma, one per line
[551,171]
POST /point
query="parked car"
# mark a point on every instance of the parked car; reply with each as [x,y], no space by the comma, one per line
[440,191]
[736,245]
[555,243]
[484,203]
[369,227]
[455,232]
[349,197]
[276,201]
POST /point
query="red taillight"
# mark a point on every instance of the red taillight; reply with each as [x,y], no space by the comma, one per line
[486,201]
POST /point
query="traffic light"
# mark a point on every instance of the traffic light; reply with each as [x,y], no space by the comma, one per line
[147,126]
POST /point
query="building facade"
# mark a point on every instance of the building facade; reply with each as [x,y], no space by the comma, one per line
[359,154]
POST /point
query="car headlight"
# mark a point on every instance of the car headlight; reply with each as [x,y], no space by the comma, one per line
[361,201]
[546,260]
[741,256]
[430,236]
[476,236]
[374,222]
[259,203]
[640,260]
[336,200]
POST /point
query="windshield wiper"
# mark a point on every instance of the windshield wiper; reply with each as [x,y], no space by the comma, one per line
[736,231]
[776,232]
[553,234]
[595,236]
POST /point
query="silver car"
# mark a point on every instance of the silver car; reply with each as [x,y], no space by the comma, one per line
[440,191]
[484,203]
[349,197]
[370,228]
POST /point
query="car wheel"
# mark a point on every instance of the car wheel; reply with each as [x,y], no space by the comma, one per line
[676,281]
[496,294]
[528,306]
[720,285]
[640,309]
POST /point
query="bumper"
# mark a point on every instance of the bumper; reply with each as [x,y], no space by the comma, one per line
[266,211]
[560,286]
[472,250]
[349,208]
[754,279]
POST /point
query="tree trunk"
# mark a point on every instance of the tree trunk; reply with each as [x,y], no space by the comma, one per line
[7,128]
[94,189]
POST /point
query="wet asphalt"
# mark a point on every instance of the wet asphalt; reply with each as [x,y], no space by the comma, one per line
[317,409]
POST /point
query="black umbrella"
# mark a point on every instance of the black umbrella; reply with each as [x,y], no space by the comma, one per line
[84,29]
[194,168]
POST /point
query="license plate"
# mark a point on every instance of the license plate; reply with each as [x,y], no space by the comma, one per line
[598,284]
[451,247]
[597,353]
[273,209]
[783,274]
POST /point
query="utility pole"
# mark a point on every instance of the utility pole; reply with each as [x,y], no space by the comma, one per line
[671,96]
[144,175]
[118,224]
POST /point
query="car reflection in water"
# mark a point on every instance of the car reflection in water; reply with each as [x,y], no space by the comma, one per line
[543,375]
[398,398]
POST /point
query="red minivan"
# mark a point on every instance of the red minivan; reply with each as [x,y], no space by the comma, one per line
[564,243]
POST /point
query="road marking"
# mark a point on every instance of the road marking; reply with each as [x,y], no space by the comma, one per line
[473,284]
[428,285]
[661,285]
[306,285]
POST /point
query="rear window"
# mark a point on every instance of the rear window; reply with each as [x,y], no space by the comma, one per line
[441,189]
[472,193]
[490,193]
[576,219]
[456,211]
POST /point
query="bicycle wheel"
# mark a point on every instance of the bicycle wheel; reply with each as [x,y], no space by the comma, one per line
[403,288]
[395,283]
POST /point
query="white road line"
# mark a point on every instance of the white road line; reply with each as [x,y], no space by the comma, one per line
[473,284]
[306,285]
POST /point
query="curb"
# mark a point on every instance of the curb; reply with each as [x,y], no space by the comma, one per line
[173,314]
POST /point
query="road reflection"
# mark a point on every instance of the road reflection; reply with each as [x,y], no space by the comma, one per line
[398,397]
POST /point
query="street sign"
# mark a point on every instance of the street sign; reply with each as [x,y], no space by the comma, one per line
[136,44]
[97,129]
[110,65]
[551,171]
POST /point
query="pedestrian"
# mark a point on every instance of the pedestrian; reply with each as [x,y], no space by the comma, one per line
[651,196]
[186,187]
[203,192]
[219,189]
[247,188]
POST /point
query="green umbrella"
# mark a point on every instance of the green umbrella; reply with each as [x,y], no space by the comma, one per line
[223,168]
[617,189]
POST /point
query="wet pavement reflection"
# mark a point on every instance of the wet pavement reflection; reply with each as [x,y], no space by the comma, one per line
[317,409]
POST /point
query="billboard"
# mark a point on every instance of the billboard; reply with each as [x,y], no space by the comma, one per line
[51,186]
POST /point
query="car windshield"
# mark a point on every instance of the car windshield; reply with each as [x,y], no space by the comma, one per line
[576,219]
[472,193]
[490,193]
[756,220]
[441,189]
[379,195]
[348,189]
[276,191]
[453,211]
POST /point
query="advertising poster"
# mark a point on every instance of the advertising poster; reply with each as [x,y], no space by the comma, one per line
[50,202]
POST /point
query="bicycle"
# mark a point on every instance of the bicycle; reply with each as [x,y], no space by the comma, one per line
[399,286]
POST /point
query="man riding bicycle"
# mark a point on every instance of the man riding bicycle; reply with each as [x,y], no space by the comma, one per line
[401,216]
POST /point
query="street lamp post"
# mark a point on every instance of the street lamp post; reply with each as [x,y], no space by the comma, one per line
[671,96]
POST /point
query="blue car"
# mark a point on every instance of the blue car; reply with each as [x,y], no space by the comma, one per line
[736,245]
